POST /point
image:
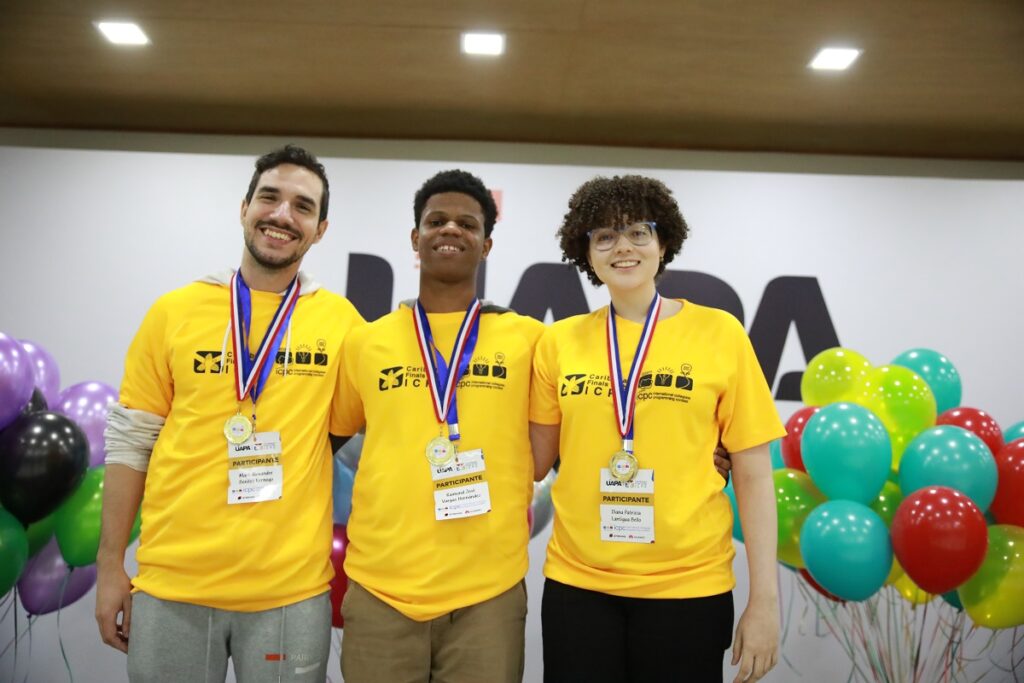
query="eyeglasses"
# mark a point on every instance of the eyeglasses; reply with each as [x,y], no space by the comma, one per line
[640,234]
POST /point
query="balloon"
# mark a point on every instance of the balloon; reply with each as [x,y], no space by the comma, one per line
[349,453]
[88,404]
[78,521]
[542,508]
[977,421]
[45,374]
[831,375]
[795,497]
[775,449]
[43,457]
[13,550]
[1014,432]
[953,598]
[339,584]
[15,379]
[994,596]
[791,443]
[895,573]
[910,591]
[940,537]
[817,586]
[847,452]
[846,548]
[44,577]
[935,369]
[1008,504]
[737,528]
[39,534]
[900,399]
[36,404]
[886,503]
[950,456]
[344,480]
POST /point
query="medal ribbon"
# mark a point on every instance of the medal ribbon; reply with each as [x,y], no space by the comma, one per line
[442,378]
[251,374]
[624,394]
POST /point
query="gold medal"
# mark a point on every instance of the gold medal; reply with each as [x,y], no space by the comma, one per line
[440,451]
[623,466]
[238,429]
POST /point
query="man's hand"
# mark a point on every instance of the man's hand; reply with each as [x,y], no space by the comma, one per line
[723,462]
[756,646]
[113,597]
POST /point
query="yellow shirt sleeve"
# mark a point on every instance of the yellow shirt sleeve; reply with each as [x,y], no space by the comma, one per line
[148,383]
[347,412]
[746,411]
[544,407]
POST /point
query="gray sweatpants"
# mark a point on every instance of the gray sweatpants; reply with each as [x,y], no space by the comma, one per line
[177,641]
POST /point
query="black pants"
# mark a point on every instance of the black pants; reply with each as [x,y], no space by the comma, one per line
[592,637]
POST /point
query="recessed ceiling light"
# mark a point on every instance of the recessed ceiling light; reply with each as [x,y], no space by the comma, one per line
[834,58]
[491,44]
[122,32]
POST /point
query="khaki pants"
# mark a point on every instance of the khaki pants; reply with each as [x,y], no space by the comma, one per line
[482,643]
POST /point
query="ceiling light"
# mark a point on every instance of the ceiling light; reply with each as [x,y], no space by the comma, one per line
[491,44]
[834,58]
[122,32]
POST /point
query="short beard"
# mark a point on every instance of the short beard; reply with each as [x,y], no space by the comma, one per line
[271,264]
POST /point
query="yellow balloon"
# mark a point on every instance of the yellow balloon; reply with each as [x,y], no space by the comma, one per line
[994,596]
[900,399]
[910,592]
[831,375]
[895,573]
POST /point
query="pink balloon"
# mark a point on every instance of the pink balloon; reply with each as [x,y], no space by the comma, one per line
[88,404]
[44,371]
[44,576]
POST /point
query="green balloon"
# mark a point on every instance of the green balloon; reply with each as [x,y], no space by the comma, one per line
[887,501]
[902,401]
[137,526]
[78,521]
[40,533]
[994,596]
[831,376]
[13,550]
[795,497]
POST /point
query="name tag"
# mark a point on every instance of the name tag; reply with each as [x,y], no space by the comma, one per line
[627,508]
[255,474]
[460,487]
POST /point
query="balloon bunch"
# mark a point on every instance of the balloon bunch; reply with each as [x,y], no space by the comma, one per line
[51,478]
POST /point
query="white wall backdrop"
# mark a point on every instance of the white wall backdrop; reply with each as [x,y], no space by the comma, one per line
[906,254]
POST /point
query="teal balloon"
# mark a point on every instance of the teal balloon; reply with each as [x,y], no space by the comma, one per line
[940,374]
[950,456]
[847,549]
[775,448]
[1014,432]
[737,530]
[952,598]
[847,451]
[344,480]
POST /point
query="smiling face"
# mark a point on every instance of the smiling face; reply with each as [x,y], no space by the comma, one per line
[626,266]
[282,220]
[450,238]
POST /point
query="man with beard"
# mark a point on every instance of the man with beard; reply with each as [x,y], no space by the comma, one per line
[224,413]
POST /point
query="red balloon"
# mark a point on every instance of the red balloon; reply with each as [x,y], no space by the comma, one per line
[939,537]
[977,421]
[1008,505]
[791,454]
[817,586]
[339,584]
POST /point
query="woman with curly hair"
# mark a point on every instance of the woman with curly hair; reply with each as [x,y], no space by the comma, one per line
[639,579]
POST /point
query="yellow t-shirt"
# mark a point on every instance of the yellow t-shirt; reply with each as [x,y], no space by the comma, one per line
[700,381]
[422,567]
[195,547]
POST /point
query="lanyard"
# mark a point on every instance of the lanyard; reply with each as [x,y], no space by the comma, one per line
[251,373]
[624,392]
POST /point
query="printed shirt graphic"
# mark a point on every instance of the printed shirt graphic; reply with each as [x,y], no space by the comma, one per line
[397,550]
[701,379]
[194,547]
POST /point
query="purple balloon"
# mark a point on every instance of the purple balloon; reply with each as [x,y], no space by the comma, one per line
[44,575]
[16,381]
[45,373]
[88,403]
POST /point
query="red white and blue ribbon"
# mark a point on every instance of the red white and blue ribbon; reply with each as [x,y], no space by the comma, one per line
[624,391]
[441,378]
[251,373]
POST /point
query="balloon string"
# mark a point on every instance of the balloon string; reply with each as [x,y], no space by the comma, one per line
[60,635]
[28,669]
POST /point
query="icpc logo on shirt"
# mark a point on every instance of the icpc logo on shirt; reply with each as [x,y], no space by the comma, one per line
[205,362]
[483,372]
[665,383]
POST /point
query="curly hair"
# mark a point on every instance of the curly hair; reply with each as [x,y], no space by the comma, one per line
[463,182]
[291,154]
[603,202]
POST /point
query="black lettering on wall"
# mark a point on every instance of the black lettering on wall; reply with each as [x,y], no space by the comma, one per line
[551,287]
[370,285]
[701,288]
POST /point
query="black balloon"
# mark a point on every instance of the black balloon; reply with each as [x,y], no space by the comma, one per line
[43,458]
[36,404]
